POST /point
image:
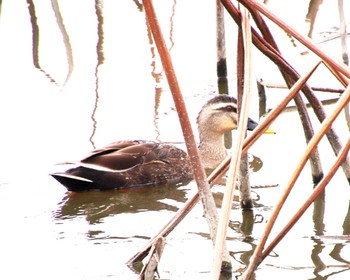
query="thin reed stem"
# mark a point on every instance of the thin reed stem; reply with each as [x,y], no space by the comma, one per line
[205,194]
[220,240]
[316,192]
[257,256]
[340,67]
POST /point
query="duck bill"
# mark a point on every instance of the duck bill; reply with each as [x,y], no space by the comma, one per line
[253,124]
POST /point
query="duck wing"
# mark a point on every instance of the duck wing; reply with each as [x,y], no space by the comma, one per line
[122,155]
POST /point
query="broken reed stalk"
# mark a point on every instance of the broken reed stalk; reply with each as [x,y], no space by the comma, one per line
[150,268]
[220,240]
[258,253]
[220,170]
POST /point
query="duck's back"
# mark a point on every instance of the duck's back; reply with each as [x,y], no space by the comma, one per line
[128,164]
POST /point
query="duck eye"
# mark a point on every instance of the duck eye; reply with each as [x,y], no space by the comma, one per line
[230,108]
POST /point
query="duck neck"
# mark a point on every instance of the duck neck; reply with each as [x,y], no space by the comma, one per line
[212,149]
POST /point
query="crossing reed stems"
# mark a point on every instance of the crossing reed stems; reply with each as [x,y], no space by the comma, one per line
[257,256]
[221,169]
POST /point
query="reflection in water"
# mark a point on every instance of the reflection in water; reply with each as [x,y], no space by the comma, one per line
[97,205]
[158,93]
[100,60]
[65,38]
[157,78]
[158,75]
[35,39]
[246,229]
[319,245]
[314,6]
[336,253]
[318,217]
[346,231]
[139,5]
[171,31]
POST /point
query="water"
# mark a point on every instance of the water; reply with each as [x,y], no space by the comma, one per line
[47,232]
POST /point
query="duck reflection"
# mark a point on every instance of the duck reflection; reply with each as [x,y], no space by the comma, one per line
[97,205]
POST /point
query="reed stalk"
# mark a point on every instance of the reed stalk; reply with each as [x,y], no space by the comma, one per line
[340,67]
[236,151]
[243,175]
[258,253]
[256,256]
[205,194]
[221,65]
[268,49]
[316,192]
[221,169]
[315,162]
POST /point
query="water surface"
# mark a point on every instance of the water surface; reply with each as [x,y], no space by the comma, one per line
[117,90]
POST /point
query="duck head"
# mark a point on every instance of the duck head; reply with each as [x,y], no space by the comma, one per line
[219,115]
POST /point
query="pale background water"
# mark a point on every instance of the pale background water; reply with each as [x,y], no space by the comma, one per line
[46,233]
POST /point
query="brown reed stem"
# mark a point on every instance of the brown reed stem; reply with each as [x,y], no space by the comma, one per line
[205,194]
[315,162]
[316,192]
[257,256]
[289,73]
[273,54]
[340,67]
[199,174]
[221,169]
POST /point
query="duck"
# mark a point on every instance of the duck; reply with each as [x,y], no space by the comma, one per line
[128,164]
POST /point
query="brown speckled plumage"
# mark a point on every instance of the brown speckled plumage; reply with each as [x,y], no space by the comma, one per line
[129,164]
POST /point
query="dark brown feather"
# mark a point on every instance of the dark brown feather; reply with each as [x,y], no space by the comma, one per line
[130,164]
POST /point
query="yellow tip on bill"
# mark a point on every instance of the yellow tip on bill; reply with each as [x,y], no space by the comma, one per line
[270,131]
